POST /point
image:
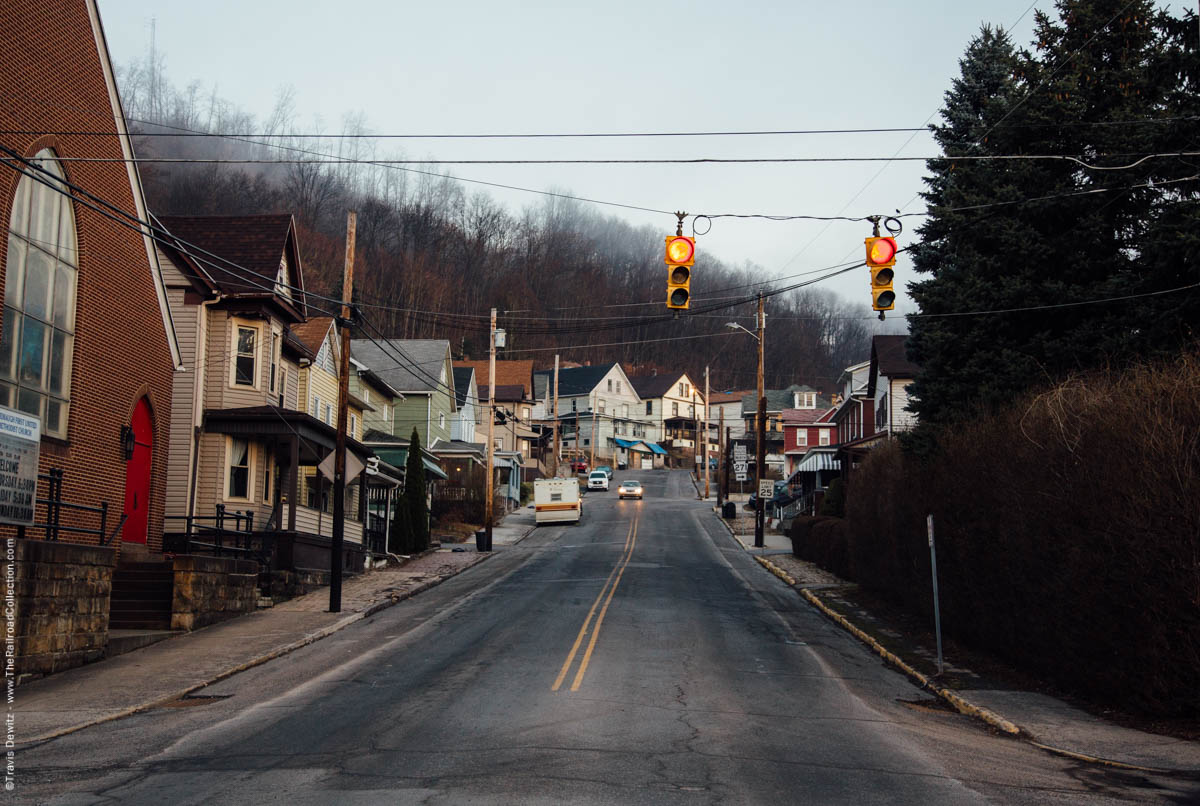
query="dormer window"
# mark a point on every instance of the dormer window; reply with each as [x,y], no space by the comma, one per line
[282,287]
[325,359]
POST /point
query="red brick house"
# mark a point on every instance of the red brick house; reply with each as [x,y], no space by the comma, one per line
[88,345]
[804,429]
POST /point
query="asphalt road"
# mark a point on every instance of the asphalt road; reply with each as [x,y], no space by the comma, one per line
[641,657]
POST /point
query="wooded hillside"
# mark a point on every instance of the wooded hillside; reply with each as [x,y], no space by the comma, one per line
[434,253]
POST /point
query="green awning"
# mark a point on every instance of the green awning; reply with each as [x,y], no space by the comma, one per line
[432,469]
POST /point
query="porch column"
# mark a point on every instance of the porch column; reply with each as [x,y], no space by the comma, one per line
[277,504]
[293,483]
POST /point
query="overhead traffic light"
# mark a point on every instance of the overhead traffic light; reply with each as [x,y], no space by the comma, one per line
[680,255]
[881,257]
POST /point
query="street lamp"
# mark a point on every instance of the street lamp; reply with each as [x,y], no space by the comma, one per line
[760,448]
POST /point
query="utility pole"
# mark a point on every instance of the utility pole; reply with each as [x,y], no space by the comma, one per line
[592,463]
[722,469]
[554,412]
[760,453]
[339,452]
[705,437]
[725,456]
[491,448]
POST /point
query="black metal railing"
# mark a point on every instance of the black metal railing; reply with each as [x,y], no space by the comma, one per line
[374,534]
[55,506]
[227,533]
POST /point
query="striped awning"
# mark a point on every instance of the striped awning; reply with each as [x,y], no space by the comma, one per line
[818,460]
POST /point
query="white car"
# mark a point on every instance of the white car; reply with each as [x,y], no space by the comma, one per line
[630,489]
[598,480]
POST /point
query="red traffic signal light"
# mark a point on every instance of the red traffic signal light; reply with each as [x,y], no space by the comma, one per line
[680,255]
[881,251]
[681,250]
[881,257]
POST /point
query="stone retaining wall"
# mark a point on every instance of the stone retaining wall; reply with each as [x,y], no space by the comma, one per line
[56,599]
[212,589]
[290,584]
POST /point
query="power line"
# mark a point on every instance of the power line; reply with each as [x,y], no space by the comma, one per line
[1141,158]
[1056,305]
[555,135]
[447,177]
[130,221]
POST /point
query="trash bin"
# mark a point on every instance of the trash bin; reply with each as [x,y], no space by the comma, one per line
[481,541]
[729,510]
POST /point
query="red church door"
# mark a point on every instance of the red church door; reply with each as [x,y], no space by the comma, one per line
[137,476]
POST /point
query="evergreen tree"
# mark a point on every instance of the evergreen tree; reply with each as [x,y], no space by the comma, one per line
[1049,232]
[967,250]
[414,495]
[400,537]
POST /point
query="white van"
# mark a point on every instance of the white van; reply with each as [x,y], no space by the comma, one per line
[556,501]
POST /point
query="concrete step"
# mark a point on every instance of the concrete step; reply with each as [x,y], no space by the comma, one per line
[159,606]
[142,573]
[138,586]
[139,620]
[121,641]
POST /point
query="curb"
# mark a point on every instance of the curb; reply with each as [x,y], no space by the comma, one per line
[271,655]
[960,704]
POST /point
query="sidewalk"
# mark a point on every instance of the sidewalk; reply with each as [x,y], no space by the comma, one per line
[171,669]
[1042,720]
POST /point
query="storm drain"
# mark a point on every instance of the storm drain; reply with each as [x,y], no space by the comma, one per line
[191,700]
[929,705]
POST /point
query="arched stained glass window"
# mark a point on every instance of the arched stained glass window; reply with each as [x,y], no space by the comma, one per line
[41,278]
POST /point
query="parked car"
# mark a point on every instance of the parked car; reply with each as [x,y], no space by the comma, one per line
[579,466]
[630,488]
[781,494]
[598,480]
[606,469]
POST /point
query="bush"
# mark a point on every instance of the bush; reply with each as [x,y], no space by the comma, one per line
[834,502]
[822,540]
[526,491]
[1067,530]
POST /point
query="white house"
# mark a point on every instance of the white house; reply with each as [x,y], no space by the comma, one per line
[596,406]
[890,375]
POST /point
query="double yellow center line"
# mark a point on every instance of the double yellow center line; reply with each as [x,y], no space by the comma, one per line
[610,587]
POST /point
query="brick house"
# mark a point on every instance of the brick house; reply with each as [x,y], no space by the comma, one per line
[88,345]
[805,429]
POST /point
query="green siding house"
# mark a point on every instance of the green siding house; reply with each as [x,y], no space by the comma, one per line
[421,371]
